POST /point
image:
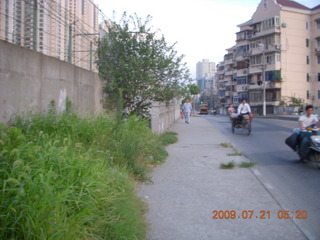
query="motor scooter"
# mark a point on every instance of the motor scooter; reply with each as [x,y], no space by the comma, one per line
[306,143]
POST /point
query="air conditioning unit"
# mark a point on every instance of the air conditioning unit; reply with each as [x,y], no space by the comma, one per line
[277,46]
[283,25]
[244,88]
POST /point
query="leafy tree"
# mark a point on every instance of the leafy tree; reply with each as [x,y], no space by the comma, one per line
[194,89]
[134,58]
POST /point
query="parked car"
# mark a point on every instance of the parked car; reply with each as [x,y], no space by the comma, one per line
[203,109]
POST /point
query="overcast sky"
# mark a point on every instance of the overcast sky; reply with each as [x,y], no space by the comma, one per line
[203,29]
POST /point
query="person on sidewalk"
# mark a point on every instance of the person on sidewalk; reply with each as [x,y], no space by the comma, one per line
[187,108]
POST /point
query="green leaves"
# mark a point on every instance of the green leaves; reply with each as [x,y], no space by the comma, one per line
[136,59]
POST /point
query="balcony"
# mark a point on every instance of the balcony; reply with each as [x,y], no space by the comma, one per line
[264,32]
[228,73]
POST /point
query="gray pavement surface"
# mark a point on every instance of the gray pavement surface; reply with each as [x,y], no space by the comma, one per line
[190,188]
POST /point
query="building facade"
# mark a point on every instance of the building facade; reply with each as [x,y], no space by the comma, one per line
[205,76]
[276,56]
[64,29]
[205,72]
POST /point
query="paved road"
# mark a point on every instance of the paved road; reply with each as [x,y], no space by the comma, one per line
[295,185]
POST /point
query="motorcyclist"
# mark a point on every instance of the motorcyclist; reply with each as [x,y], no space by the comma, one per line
[309,119]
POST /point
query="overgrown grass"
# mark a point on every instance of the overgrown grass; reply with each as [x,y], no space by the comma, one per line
[65,177]
[235,153]
[168,138]
[247,164]
[228,165]
[226,145]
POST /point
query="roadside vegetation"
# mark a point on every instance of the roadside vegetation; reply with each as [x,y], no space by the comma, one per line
[66,177]
[235,152]
[228,165]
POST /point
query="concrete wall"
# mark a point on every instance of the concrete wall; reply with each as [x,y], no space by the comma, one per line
[163,116]
[30,81]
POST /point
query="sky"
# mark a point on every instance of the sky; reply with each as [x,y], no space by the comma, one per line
[202,29]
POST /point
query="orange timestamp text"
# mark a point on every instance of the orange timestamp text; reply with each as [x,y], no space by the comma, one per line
[263,214]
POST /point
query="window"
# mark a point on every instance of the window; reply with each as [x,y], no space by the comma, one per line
[308,94]
[256,96]
[318,59]
[318,77]
[270,59]
[308,77]
[318,24]
[308,60]
[307,42]
[307,25]
[271,22]
[318,94]
[255,60]
[242,80]
[274,75]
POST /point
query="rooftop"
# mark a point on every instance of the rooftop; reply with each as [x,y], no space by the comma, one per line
[292,4]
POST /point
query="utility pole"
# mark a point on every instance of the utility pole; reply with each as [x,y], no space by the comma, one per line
[263,81]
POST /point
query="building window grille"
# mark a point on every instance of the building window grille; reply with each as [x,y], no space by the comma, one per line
[308,94]
[308,60]
[307,42]
[308,77]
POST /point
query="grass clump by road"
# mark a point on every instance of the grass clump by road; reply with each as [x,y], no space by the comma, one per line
[228,165]
[247,164]
[65,177]
[235,151]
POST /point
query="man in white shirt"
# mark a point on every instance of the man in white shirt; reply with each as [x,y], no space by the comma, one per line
[187,107]
[308,119]
[244,108]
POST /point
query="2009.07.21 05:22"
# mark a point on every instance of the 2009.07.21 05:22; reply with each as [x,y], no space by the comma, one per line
[251,214]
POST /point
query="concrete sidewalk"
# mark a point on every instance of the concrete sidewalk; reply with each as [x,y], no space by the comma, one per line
[190,186]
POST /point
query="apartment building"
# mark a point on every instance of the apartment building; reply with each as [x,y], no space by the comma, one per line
[65,29]
[276,55]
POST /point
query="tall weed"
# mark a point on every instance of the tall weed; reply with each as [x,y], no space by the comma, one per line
[65,177]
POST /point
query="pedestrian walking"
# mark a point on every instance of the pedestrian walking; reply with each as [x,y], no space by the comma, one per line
[187,108]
